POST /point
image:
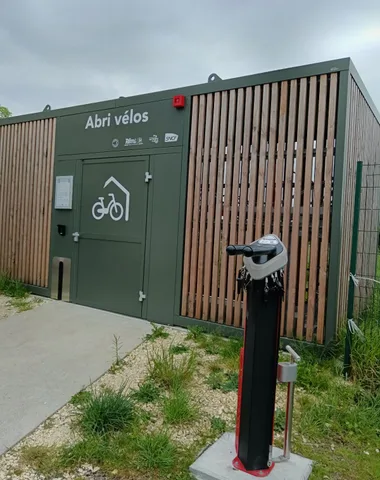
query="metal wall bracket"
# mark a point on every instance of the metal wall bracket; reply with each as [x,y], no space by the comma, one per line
[142,296]
[213,77]
[148,177]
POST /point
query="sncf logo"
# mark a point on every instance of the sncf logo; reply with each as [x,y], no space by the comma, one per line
[171,137]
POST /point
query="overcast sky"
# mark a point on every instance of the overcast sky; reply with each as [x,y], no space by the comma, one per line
[69,52]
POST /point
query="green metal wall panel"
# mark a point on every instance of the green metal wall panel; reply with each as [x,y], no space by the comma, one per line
[161,256]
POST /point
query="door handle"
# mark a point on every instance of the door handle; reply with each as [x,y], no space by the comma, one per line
[76,236]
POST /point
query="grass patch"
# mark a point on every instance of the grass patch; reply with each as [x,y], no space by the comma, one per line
[195,333]
[178,349]
[169,371]
[81,398]
[178,409]
[12,288]
[279,420]
[157,332]
[155,451]
[148,392]
[365,354]
[45,460]
[218,425]
[224,381]
[105,412]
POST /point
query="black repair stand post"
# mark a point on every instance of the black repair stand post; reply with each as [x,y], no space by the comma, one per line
[262,278]
[258,385]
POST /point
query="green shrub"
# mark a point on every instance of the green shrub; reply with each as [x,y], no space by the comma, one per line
[106,412]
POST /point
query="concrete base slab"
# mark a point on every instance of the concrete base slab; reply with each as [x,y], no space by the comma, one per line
[216,464]
[49,354]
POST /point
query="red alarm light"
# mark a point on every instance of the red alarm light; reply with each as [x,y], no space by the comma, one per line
[179,101]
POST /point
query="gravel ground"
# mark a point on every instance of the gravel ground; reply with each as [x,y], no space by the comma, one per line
[7,309]
[57,430]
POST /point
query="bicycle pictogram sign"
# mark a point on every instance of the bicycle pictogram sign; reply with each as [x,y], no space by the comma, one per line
[114,209]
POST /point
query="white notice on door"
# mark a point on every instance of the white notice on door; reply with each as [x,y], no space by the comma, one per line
[64,192]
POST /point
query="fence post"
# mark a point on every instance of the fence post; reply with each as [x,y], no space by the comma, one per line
[354,249]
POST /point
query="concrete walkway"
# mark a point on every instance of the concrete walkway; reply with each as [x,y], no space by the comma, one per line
[50,353]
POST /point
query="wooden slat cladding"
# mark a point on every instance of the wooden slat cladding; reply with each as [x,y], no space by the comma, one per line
[261,161]
[363,144]
[26,176]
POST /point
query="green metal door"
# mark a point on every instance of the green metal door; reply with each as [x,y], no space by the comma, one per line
[111,234]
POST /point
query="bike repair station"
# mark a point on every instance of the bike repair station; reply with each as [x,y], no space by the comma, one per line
[250,453]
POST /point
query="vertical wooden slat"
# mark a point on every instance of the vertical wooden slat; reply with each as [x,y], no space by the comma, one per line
[203,206]
[3,183]
[306,208]
[48,203]
[234,210]
[189,207]
[294,265]
[196,209]
[42,246]
[288,189]
[6,207]
[314,248]
[15,224]
[25,235]
[326,206]
[227,206]
[212,218]
[14,141]
[269,198]
[243,208]
[34,201]
[254,165]
[37,233]
[19,200]
[283,114]
[262,161]
[217,249]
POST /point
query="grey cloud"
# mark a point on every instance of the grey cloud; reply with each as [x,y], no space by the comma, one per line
[71,52]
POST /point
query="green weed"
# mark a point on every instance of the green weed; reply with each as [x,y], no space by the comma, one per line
[178,409]
[155,451]
[12,288]
[279,420]
[224,381]
[218,425]
[105,412]
[169,371]
[157,332]
[80,398]
[178,349]
[195,333]
[45,460]
[148,392]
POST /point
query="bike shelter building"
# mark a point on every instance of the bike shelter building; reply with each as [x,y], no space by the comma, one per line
[128,205]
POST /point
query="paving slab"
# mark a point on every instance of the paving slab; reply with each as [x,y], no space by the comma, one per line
[215,463]
[50,353]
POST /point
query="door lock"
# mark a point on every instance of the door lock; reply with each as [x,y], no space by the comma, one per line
[76,236]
